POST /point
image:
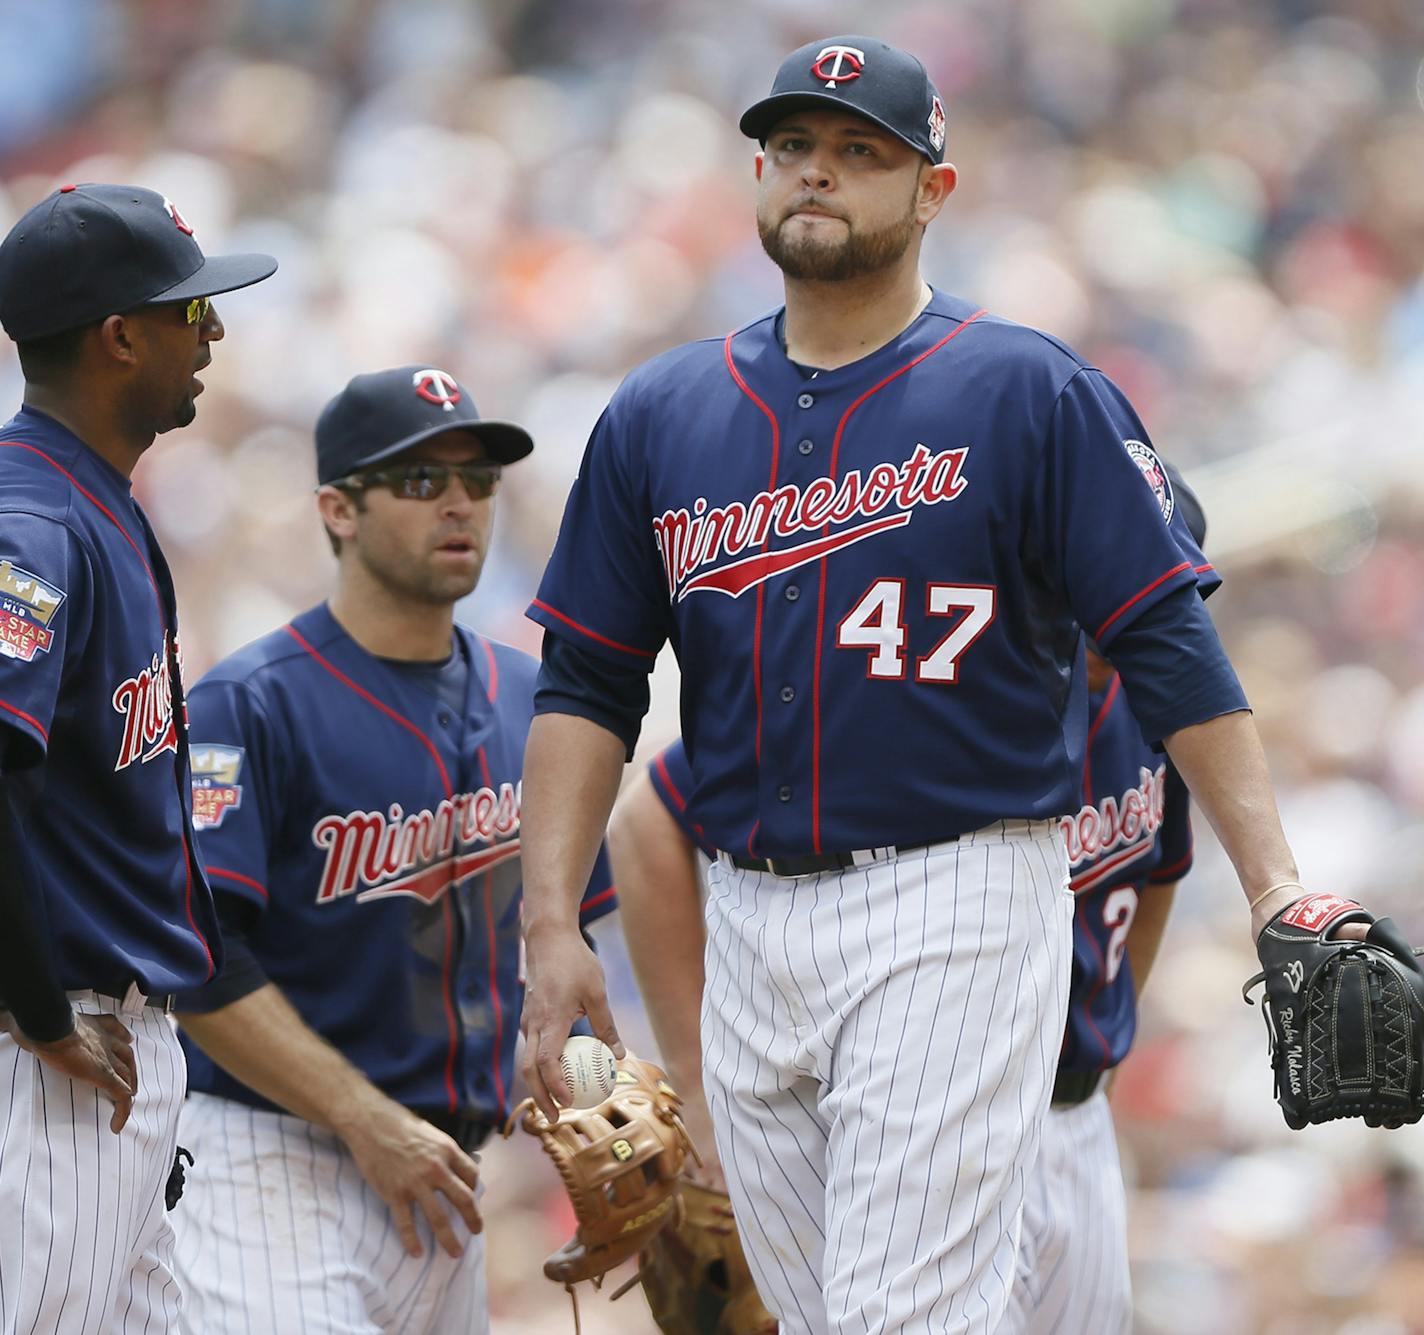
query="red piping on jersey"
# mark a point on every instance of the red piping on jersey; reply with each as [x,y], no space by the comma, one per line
[602,897]
[371,700]
[163,621]
[1137,597]
[29,718]
[103,509]
[821,600]
[1164,875]
[1124,857]
[771,487]
[493,689]
[449,793]
[1103,711]
[663,774]
[1202,570]
[592,634]
[495,1005]
[239,878]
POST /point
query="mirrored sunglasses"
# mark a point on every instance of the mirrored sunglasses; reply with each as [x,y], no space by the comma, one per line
[426,481]
[197,310]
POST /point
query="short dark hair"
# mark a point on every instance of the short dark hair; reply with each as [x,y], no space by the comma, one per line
[41,359]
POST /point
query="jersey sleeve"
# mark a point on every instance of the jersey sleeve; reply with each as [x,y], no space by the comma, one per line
[237,776]
[1175,837]
[671,774]
[604,587]
[1106,514]
[600,897]
[46,602]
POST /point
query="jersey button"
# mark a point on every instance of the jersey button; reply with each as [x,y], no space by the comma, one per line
[792,593]
[806,446]
[444,720]
[784,793]
[806,400]
[788,694]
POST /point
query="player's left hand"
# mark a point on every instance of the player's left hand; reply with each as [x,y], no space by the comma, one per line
[98,1051]
[410,1164]
[565,981]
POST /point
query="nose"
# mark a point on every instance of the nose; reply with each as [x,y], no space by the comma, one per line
[211,330]
[456,499]
[815,171]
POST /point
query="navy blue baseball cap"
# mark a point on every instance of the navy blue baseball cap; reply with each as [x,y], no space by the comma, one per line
[383,413]
[862,75]
[90,251]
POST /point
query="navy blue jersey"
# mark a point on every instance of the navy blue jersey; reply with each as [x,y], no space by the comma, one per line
[873,577]
[343,799]
[91,691]
[1133,832]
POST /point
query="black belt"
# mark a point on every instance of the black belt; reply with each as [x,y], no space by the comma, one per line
[468,1132]
[161,1001]
[1070,1088]
[808,864]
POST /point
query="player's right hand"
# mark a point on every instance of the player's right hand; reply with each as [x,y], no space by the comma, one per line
[410,1163]
[98,1052]
[565,981]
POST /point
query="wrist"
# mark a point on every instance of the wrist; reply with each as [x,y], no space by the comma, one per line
[550,924]
[354,1113]
[1267,903]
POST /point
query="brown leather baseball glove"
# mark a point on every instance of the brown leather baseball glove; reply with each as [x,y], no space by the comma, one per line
[695,1275]
[620,1163]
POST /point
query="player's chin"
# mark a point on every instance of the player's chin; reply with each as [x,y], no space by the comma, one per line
[183,414]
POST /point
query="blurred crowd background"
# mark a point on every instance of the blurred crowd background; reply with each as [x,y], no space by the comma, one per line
[1220,202]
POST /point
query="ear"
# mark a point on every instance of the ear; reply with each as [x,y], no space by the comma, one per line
[337,509]
[117,338]
[760,163]
[937,182]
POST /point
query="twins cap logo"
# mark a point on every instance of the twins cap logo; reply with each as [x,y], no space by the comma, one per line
[1154,474]
[437,386]
[846,64]
[178,220]
[937,124]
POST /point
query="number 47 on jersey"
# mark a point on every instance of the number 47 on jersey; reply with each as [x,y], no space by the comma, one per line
[876,623]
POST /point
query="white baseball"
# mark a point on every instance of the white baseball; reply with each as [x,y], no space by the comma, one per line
[588,1067]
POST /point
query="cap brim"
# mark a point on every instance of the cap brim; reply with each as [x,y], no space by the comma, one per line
[760,119]
[504,442]
[219,273]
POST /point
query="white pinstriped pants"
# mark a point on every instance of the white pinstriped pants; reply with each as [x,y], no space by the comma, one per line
[284,1237]
[85,1242]
[1073,1273]
[879,1047]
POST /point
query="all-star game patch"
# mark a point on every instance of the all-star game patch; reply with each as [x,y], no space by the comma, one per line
[1154,474]
[216,770]
[27,606]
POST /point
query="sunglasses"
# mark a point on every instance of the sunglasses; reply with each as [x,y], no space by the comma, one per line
[426,481]
[197,310]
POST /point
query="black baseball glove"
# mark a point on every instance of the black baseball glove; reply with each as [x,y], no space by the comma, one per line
[1345,1018]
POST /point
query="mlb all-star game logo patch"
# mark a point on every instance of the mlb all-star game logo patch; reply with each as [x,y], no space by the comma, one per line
[216,770]
[1154,474]
[27,606]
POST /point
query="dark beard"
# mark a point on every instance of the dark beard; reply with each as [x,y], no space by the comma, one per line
[861,253]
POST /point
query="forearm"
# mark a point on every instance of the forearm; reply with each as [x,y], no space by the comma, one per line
[572,768]
[263,1041]
[659,892]
[31,988]
[1144,937]
[1224,766]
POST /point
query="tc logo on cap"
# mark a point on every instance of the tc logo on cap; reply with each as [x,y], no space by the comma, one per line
[437,387]
[846,64]
[937,124]
[177,217]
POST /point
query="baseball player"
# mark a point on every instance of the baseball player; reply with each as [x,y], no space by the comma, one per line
[105,910]
[356,792]
[871,524]
[1128,846]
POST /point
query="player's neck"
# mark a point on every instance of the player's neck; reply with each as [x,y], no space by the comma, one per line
[834,324]
[388,626]
[93,422]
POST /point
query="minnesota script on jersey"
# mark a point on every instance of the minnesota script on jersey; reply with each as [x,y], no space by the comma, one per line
[374,831]
[90,686]
[874,576]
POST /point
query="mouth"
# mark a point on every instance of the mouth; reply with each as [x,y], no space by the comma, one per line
[457,547]
[201,366]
